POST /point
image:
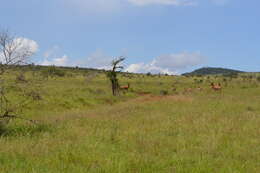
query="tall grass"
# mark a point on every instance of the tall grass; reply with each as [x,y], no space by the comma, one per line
[86,129]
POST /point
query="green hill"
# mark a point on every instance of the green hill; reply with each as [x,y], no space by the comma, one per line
[212,71]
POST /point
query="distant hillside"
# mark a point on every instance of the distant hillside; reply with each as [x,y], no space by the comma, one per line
[212,71]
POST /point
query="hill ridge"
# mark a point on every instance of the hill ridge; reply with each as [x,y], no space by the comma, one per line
[212,71]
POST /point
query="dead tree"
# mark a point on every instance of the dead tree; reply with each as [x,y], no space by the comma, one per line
[112,74]
[13,52]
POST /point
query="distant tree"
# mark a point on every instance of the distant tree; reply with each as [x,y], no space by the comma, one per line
[250,77]
[53,71]
[258,78]
[112,74]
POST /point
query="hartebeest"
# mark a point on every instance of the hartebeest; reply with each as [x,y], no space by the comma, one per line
[125,87]
[216,87]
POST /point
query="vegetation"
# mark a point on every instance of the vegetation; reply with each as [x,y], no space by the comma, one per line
[53,71]
[12,53]
[212,71]
[112,74]
[163,124]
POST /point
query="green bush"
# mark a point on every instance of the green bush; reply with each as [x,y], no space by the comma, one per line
[164,92]
[53,71]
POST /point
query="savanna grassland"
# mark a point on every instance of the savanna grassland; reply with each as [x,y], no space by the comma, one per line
[162,124]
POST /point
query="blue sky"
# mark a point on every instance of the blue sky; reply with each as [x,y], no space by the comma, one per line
[167,36]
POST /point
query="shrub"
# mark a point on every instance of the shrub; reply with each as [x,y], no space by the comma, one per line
[34,95]
[20,78]
[163,92]
[149,74]
[3,123]
[53,71]
[231,75]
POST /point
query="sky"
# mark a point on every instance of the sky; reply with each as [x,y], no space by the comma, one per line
[158,36]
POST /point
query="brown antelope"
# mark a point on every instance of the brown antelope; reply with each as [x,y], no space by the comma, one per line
[216,87]
[125,87]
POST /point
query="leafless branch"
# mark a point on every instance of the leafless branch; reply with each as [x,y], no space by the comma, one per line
[12,51]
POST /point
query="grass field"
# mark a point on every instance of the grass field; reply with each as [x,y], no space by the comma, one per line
[151,128]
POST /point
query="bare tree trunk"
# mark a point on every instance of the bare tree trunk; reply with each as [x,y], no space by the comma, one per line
[112,75]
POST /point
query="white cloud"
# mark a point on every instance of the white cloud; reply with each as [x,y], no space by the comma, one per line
[53,57]
[145,68]
[136,68]
[179,61]
[60,61]
[97,60]
[51,52]
[165,64]
[25,44]
[21,48]
[169,64]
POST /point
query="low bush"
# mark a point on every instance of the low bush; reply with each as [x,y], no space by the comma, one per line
[53,71]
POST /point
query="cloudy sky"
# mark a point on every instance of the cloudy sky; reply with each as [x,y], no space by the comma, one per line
[166,36]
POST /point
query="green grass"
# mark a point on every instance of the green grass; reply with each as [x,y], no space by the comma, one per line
[85,129]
